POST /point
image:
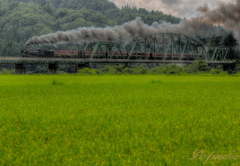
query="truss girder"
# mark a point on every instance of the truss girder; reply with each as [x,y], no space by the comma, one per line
[164,46]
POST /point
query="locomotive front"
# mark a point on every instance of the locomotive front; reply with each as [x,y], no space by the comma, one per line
[36,53]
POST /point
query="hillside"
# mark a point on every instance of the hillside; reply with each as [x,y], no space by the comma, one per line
[22,19]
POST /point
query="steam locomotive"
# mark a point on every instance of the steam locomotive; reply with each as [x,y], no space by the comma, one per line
[55,53]
[101,54]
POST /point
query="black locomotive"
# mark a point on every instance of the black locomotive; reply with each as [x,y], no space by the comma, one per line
[55,53]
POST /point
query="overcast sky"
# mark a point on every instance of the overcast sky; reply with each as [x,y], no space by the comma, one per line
[179,8]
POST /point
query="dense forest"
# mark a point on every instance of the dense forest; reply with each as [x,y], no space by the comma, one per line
[22,19]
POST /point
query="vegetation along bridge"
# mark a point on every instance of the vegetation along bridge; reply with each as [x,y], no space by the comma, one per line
[158,48]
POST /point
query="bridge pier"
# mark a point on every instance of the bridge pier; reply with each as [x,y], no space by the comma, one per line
[20,68]
[81,66]
[126,65]
[53,68]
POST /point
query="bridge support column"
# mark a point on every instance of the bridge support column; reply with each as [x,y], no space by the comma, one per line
[81,66]
[20,69]
[53,68]
[126,65]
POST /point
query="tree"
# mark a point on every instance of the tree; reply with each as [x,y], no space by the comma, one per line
[198,66]
[215,40]
[229,40]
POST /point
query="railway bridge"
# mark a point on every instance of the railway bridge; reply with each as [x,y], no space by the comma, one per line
[159,48]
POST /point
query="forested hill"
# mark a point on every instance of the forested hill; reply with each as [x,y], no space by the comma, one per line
[22,19]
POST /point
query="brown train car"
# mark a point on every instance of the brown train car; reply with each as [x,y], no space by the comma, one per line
[66,53]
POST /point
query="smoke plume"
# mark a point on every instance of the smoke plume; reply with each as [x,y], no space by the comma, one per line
[226,14]
[127,32]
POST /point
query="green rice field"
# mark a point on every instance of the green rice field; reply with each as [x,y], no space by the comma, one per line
[119,120]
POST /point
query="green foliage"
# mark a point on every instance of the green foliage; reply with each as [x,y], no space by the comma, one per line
[172,69]
[128,13]
[168,69]
[127,70]
[86,71]
[141,69]
[215,41]
[229,40]
[217,70]
[40,69]
[237,68]
[225,39]
[198,66]
[121,69]
[6,71]
[111,69]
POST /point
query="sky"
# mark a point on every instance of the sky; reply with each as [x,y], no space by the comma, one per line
[178,8]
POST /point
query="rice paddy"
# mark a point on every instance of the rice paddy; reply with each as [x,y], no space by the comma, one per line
[119,120]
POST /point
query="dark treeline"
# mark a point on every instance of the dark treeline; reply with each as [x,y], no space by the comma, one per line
[197,67]
[22,19]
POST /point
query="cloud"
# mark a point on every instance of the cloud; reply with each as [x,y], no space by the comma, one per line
[179,8]
[170,2]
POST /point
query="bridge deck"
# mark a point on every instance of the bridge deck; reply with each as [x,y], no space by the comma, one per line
[24,60]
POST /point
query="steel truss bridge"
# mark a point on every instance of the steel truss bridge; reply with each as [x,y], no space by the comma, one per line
[158,48]
[164,46]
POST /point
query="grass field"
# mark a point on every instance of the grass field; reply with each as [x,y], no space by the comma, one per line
[119,120]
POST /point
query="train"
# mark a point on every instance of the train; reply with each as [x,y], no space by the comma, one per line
[55,53]
[101,54]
